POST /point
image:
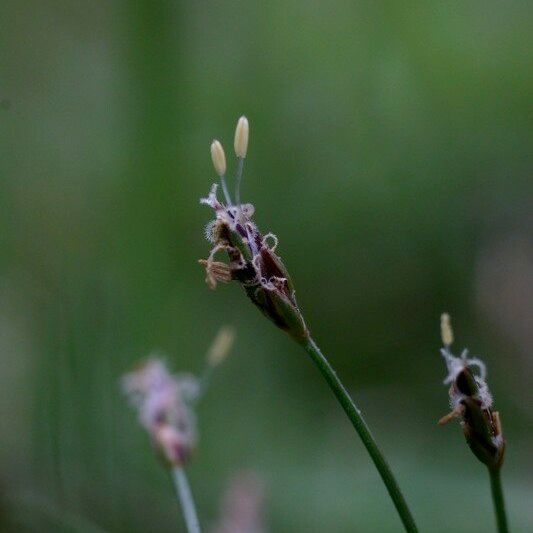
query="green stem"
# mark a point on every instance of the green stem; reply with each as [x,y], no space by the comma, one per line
[183,492]
[497,498]
[358,422]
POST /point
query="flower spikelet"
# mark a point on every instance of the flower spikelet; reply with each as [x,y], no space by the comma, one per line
[471,401]
[252,260]
[163,402]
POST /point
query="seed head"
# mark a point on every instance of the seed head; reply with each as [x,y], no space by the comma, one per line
[241,137]
[219,158]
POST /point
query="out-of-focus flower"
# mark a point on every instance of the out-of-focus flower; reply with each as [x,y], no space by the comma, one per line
[471,401]
[241,506]
[252,258]
[163,402]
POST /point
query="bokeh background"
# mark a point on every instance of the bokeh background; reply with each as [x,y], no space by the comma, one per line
[390,152]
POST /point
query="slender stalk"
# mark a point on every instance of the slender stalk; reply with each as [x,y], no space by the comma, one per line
[225,189]
[205,381]
[358,422]
[183,492]
[238,177]
[497,498]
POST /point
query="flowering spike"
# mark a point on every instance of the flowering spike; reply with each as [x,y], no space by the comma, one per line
[162,401]
[242,132]
[252,260]
[471,400]
[219,158]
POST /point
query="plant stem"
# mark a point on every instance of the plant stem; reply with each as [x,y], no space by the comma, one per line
[497,498]
[358,422]
[183,492]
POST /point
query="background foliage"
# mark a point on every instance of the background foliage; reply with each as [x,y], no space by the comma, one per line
[390,152]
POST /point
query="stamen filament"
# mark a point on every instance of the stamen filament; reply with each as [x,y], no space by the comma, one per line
[238,176]
[225,190]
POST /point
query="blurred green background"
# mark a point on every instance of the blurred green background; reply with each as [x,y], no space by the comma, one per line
[390,152]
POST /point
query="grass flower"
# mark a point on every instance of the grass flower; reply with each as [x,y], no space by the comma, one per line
[163,402]
[252,261]
[252,258]
[471,402]
[165,405]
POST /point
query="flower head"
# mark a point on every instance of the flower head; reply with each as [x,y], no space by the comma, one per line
[471,400]
[163,402]
[252,260]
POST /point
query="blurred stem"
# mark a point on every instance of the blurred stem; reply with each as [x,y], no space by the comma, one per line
[358,422]
[205,380]
[183,492]
[497,498]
